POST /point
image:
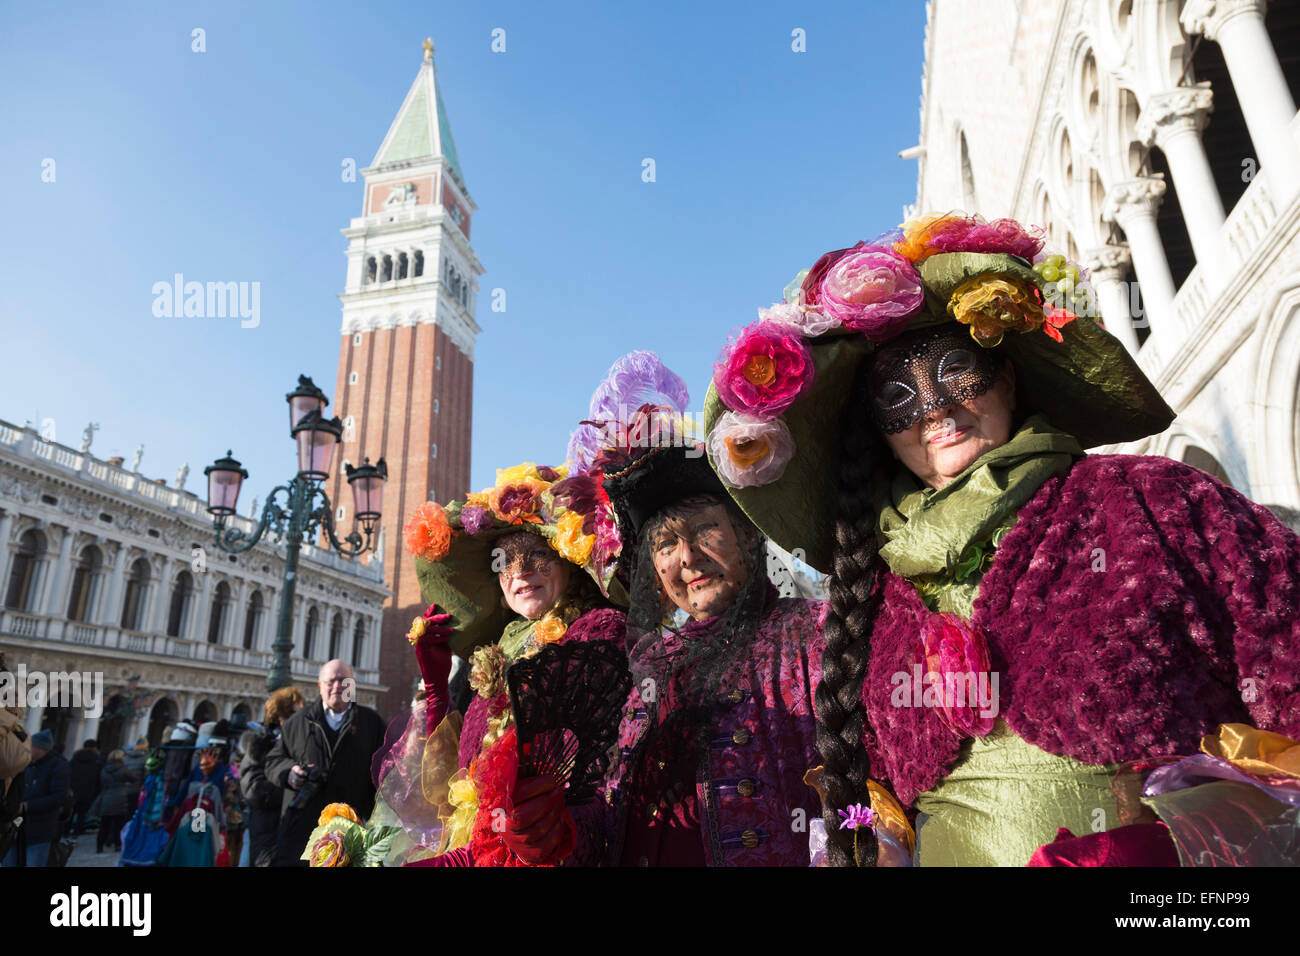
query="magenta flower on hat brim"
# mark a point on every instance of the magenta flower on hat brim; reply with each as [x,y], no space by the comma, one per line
[764,370]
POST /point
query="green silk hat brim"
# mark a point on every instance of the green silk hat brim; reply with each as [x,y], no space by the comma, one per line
[1088,385]
[463,585]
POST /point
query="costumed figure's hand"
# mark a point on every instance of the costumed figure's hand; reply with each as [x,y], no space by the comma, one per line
[296,777]
[540,831]
[430,635]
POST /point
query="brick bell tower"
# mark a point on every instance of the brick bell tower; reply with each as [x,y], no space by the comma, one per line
[406,363]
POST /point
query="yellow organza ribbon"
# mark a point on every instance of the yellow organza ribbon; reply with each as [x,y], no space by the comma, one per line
[1253,750]
[889,812]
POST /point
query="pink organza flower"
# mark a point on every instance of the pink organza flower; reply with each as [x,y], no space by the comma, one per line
[963,688]
[748,451]
[764,370]
[873,290]
[809,322]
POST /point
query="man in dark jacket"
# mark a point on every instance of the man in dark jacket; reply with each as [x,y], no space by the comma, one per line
[322,757]
[47,790]
[83,769]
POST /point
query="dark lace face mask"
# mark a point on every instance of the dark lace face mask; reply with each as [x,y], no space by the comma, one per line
[926,371]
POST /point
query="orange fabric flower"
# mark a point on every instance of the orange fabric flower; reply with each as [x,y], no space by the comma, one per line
[549,630]
[572,545]
[337,810]
[427,534]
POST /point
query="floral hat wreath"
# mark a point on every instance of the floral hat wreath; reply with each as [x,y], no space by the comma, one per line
[453,548]
[774,411]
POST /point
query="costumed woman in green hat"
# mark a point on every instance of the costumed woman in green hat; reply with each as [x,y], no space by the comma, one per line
[506,572]
[1033,648]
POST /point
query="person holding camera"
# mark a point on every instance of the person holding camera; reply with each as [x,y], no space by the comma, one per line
[322,757]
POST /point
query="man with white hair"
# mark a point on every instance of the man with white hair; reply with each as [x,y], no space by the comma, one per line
[322,757]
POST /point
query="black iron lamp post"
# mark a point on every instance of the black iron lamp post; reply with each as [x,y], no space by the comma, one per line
[306,508]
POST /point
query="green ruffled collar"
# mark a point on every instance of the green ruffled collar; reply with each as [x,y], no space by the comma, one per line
[946,536]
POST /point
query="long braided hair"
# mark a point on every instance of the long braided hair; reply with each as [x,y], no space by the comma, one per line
[854,599]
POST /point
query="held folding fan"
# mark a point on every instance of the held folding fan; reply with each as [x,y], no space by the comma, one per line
[567,701]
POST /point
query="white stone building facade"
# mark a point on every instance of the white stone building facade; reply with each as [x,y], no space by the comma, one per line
[107,572]
[1158,144]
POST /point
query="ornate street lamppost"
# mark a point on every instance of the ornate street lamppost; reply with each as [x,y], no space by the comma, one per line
[306,509]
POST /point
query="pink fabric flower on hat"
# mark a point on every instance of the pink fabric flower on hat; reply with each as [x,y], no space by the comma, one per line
[748,451]
[764,370]
[959,656]
[872,290]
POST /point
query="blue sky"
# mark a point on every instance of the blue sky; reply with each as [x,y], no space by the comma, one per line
[225,166]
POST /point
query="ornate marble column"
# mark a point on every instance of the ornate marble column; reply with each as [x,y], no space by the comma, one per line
[110,612]
[53,592]
[1107,271]
[160,593]
[6,528]
[1238,27]
[1133,205]
[1174,121]
[198,629]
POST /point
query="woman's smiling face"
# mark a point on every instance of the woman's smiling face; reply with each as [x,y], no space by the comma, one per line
[941,401]
[532,576]
[698,557]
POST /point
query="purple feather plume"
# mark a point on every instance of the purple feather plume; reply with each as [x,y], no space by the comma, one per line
[636,379]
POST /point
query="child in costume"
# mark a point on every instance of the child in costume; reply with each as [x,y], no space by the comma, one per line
[1019,633]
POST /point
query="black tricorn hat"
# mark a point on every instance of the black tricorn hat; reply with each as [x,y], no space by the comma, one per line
[641,488]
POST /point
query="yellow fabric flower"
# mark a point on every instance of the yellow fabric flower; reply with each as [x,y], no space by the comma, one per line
[993,305]
[417,630]
[330,851]
[459,828]
[478,499]
[517,474]
[572,545]
[337,810]
[487,671]
[549,630]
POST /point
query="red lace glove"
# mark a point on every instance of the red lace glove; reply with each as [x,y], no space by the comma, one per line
[540,831]
[430,636]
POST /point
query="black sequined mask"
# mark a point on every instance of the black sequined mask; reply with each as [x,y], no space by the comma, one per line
[928,370]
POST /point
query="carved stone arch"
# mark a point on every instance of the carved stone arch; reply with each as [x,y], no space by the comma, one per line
[391,321]
[407,318]
[1275,455]
[1085,95]
[964,174]
[1160,47]
[1113,25]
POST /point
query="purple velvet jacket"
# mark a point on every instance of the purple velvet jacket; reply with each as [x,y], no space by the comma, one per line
[753,806]
[1135,605]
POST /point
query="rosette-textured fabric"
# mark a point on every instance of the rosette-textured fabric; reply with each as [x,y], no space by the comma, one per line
[748,451]
[764,370]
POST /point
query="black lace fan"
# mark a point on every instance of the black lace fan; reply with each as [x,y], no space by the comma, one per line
[567,701]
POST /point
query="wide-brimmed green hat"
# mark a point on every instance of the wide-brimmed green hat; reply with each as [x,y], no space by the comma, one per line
[1087,384]
[454,545]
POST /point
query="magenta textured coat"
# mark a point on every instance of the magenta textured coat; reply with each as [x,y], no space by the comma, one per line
[1136,604]
[751,806]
